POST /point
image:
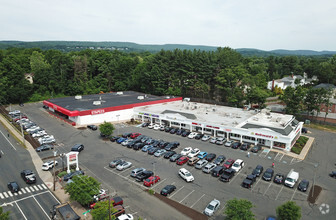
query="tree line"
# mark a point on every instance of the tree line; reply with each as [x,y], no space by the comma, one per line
[223,75]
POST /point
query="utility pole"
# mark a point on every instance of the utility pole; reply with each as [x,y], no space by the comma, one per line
[109,206]
[23,138]
[55,153]
[118,125]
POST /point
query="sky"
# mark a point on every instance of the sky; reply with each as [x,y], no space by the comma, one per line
[260,24]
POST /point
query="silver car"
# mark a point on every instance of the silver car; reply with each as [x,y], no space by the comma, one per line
[201,163]
[124,165]
[213,140]
[209,167]
[136,171]
[212,207]
[160,152]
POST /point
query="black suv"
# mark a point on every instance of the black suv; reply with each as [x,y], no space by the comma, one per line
[77,147]
[258,170]
[143,175]
[72,174]
[227,175]
[268,174]
[171,146]
[28,176]
[217,171]
[199,136]
[248,182]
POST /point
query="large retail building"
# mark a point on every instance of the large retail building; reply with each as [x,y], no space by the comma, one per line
[270,129]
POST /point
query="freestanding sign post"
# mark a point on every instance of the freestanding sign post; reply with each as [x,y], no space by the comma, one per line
[72,158]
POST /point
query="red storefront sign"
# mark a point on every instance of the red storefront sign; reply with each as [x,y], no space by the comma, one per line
[97,111]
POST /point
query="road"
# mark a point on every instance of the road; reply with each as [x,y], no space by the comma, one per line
[266,196]
[33,201]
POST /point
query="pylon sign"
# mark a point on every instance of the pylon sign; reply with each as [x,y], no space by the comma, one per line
[72,158]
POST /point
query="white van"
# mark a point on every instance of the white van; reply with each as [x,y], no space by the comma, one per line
[291,178]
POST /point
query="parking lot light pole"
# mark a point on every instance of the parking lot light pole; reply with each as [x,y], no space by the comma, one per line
[55,154]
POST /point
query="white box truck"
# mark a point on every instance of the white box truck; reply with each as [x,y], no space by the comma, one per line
[291,178]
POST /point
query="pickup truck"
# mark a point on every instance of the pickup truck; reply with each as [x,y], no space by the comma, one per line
[144,175]
[248,182]
[227,175]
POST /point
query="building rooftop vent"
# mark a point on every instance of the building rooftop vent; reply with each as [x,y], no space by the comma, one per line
[120,93]
[77,97]
[96,102]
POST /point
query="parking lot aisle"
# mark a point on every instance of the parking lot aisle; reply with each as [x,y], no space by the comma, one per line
[176,192]
[236,175]
[197,201]
[187,196]
[267,188]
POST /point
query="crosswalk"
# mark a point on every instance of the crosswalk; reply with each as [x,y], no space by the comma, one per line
[28,189]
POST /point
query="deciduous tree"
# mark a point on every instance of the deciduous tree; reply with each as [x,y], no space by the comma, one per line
[238,209]
[289,211]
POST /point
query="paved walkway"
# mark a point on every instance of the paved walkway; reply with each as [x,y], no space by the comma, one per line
[46,177]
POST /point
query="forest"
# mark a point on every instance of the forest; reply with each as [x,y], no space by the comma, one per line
[223,75]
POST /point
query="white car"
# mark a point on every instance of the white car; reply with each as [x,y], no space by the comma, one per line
[39,134]
[45,137]
[201,163]
[238,164]
[14,112]
[192,135]
[124,165]
[33,128]
[194,153]
[209,167]
[49,164]
[228,143]
[186,175]
[212,207]
[186,151]
[150,126]
[213,140]
[206,137]
[125,217]
[125,142]
[156,127]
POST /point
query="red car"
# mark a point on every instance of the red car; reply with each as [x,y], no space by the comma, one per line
[114,201]
[182,160]
[151,180]
[228,163]
[134,135]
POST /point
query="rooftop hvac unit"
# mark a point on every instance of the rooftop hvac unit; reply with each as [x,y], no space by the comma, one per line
[77,97]
[96,102]
[141,97]
[120,93]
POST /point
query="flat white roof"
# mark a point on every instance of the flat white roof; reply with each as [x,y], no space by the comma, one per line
[220,115]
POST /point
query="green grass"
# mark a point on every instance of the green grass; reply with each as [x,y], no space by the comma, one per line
[321,127]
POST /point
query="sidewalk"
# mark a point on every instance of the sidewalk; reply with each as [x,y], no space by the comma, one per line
[46,177]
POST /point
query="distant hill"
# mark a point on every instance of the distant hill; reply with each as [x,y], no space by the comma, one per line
[133,47]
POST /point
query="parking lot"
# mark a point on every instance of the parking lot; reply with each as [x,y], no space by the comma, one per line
[266,196]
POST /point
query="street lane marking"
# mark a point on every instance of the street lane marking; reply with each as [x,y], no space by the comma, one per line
[41,207]
[197,201]
[44,186]
[122,171]
[10,194]
[23,190]
[32,189]
[15,194]
[267,188]
[5,194]
[35,187]
[40,187]
[20,193]
[1,196]
[20,210]
[293,194]
[279,193]
[176,192]
[8,141]
[27,189]
[187,196]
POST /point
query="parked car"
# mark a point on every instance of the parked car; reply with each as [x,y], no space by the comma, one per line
[92,127]
[168,154]
[199,136]
[303,185]
[256,149]
[212,207]
[186,151]
[168,129]
[201,163]
[209,167]
[292,178]
[202,154]
[125,217]
[220,141]
[163,144]
[32,128]
[186,175]
[228,163]
[171,146]
[238,165]
[77,148]
[49,164]
[115,163]
[268,175]
[146,148]
[167,190]
[228,143]
[28,176]
[144,175]
[245,146]
[136,171]
[145,124]
[227,175]
[47,139]
[333,174]
[159,152]
[279,178]
[44,147]
[119,210]
[304,130]
[193,160]
[210,157]
[120,140]
[124,165]
[248,182]
[236,145]
[156,127]
[72,174]
[220,159]
[206,137]
[213,140]
[173,131]
[185,133]
[13,187]
[179,131]
[182,160]
[258,170]
[152,150]
[192,135]
[138,146]
[39,133]
[150,181]
[194,153]
[134,135]
[217,171]
[125,142]
[175,157]
[114,138]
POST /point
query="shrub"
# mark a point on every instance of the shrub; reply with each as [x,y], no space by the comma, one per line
[61,174]
[151,192]
[296,150]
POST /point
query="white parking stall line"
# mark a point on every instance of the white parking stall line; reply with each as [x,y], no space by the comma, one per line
[40,187]
[27,189]
[23,190]
[281,157]
[1,196]
[41,207]
[32,189]
[267,188]
[293,194]
[235,176]
[256,184]
[123,171]
[155,185]
[134,213]
[176,192]
[10,194]
[20,210]
[279,193]
[44,186]
[126,207]
[197,201]
[187,196]
[5,194]
[35,187]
